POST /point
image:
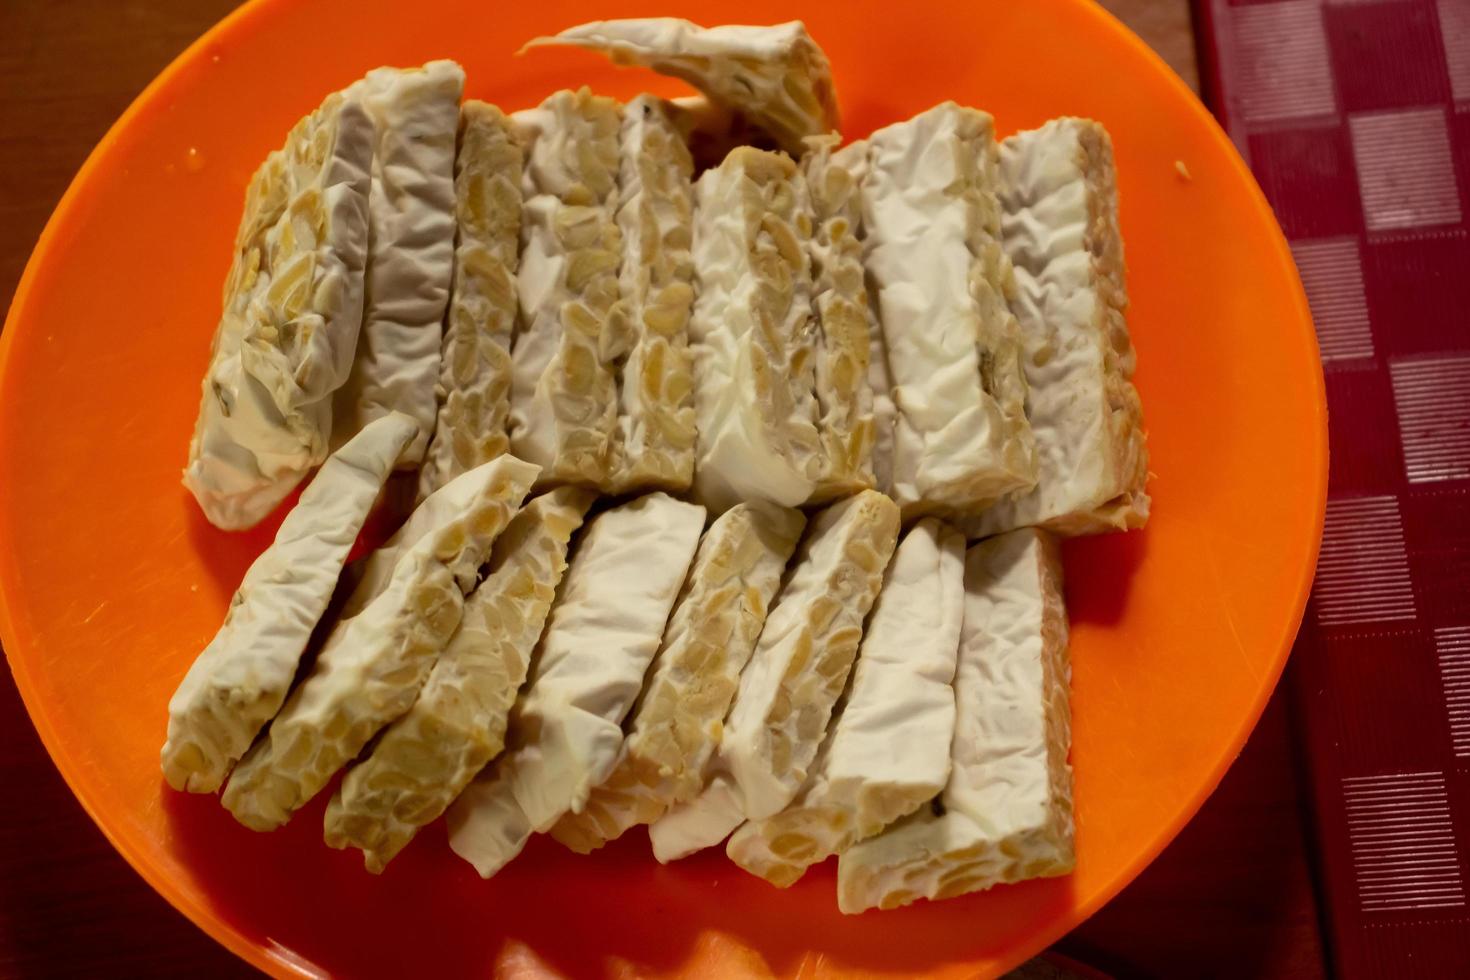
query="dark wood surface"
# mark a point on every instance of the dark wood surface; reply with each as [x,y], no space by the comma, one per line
[1232,897]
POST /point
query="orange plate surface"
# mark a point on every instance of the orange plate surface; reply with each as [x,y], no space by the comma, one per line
[111,581]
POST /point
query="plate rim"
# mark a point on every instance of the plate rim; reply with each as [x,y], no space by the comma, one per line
[283,962]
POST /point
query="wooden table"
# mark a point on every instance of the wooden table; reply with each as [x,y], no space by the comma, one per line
[1231,897]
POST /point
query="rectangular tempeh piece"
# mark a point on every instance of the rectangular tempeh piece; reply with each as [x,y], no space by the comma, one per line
[604,630]
[410,251]
[775,76]
[424,759]
[239,681]
[846,321]
[653,439]
[853,158]
[372,665]
[1006,813]
[292,306]
[563,391]
[885,413]
[1059,192]
[676,725]
[474,373]
[753,335]
[794,677]
[932,244]
[887,751]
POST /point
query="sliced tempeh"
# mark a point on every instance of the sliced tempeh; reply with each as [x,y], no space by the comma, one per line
[885,413]
[887,751]
[474,374]
[372,665]
[1060,195]
[1006,812]
[292,305]
[239,681]
[604,630]
[854,159]
[563,394]
[411,252]
[840,303]
[794,677]
[676,725]
[424,759]
[653,440]
[754,335]
[776,75]
[931,227]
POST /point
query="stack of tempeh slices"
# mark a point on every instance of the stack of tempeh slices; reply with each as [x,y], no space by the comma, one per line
[698,454]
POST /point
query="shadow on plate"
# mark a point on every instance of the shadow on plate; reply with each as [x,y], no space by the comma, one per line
[615,911]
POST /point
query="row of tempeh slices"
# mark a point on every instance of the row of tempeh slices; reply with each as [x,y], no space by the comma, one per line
[772,335]
[903,704]
[925,312]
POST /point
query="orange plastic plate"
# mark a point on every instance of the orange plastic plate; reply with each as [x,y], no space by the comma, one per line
[111,581]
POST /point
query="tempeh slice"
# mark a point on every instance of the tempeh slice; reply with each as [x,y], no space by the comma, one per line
[563,393]
[776,76]
[239,681]
[292,305]
[1059,192]
[754,336]
[931,226]
[854,159]
[840,303]
[653,439]
[472,426]
[411,249]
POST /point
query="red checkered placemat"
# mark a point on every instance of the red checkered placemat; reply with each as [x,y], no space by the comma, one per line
[1355,117]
